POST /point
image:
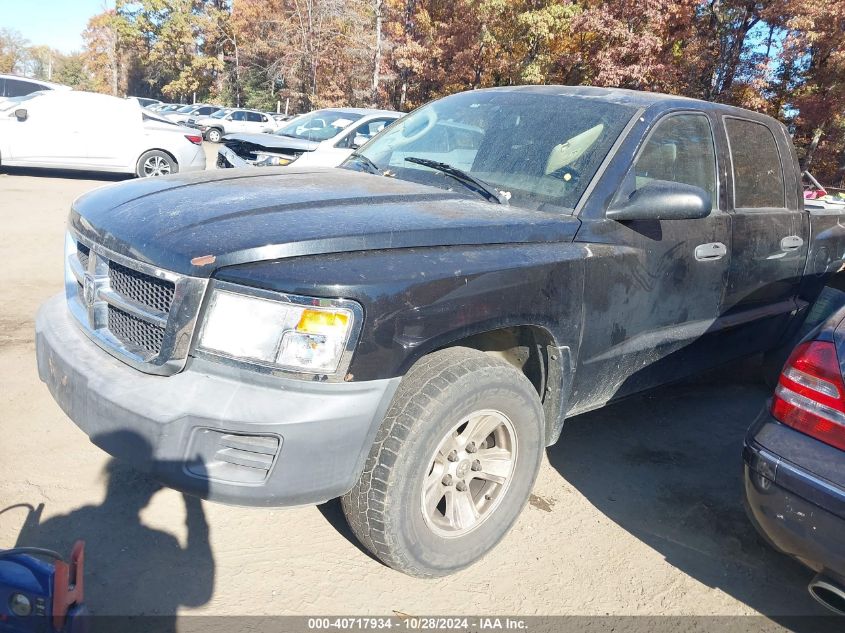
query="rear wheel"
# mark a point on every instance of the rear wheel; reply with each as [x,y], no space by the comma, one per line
[452,466]
[155,163]
[213,135]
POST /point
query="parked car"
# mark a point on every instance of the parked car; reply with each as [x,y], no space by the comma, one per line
[817,197]
[88,131]
[795,461]
[220,114]
[279,117]
[17,86]
[410,335]
[195,111]
[145,102]
[237,120]
[323,138]
[168,107]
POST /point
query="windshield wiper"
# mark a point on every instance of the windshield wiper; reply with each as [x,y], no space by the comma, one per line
[370,165]
[486,191]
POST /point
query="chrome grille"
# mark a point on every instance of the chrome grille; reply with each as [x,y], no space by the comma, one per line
[135,332]
[82,252]
[151,292]
[137,312]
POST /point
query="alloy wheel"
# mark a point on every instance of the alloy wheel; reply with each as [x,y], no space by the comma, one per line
[469,473]
[156,166]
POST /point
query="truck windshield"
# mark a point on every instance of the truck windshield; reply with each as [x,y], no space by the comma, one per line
[538,150]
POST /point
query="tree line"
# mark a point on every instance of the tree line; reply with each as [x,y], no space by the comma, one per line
[782,57]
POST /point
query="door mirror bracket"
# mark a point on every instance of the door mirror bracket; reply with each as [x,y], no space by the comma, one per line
[663,200]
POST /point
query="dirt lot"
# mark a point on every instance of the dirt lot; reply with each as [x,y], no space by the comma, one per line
[637,510]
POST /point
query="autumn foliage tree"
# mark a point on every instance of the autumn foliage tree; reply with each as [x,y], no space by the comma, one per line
[783,57]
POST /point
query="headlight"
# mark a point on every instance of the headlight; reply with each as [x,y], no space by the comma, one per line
[294,333]
[273,160]
[20,605]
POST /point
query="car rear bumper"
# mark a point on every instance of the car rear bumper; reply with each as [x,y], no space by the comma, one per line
[801,513]
[227,435]
[195,160]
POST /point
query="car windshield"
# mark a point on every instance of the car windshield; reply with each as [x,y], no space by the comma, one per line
[319,126]
[539,150]
[220,114]
[186,109]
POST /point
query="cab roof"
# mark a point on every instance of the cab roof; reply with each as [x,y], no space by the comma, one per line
[635,98]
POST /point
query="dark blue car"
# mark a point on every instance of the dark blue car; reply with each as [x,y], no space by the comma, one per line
[795,462]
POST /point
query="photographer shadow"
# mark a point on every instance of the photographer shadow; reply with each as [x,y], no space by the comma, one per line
[136,577]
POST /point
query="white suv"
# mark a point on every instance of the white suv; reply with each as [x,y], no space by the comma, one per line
[214,128]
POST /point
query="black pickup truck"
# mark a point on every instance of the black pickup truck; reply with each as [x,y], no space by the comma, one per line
[409,331]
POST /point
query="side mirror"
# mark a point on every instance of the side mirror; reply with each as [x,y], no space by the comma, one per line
[663,200]
[21,114]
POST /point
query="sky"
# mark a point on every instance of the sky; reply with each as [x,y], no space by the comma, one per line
[58,23]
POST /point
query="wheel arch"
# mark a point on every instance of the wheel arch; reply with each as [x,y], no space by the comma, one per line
[531,348]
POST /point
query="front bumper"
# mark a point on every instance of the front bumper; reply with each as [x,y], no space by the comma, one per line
[226,158]
[228,435]
[801,513]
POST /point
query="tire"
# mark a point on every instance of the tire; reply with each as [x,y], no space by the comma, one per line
[385,507]
[214,135]
[155,163]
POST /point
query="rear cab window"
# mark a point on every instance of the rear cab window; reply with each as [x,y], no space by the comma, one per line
[757,167]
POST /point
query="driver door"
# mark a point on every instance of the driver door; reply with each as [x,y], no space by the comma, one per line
[654,288]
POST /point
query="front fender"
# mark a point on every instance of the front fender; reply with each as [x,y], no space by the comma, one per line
[417,300]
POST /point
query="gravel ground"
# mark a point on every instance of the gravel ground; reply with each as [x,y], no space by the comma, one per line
[637,510]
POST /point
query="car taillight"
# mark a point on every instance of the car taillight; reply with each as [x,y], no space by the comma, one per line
[196,139]
[810,396]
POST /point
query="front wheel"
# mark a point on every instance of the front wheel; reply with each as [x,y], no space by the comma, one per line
[155,163]
[452,465]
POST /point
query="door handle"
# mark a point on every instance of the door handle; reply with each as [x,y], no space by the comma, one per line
[710,251]
[791,243]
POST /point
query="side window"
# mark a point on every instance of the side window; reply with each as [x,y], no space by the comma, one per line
[239,116]
[757,170]
[366,130]
[681,150]
[253,117]
[264,118]
[16,88]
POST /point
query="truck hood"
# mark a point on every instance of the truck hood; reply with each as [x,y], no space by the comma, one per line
[196,223]
[272,141]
